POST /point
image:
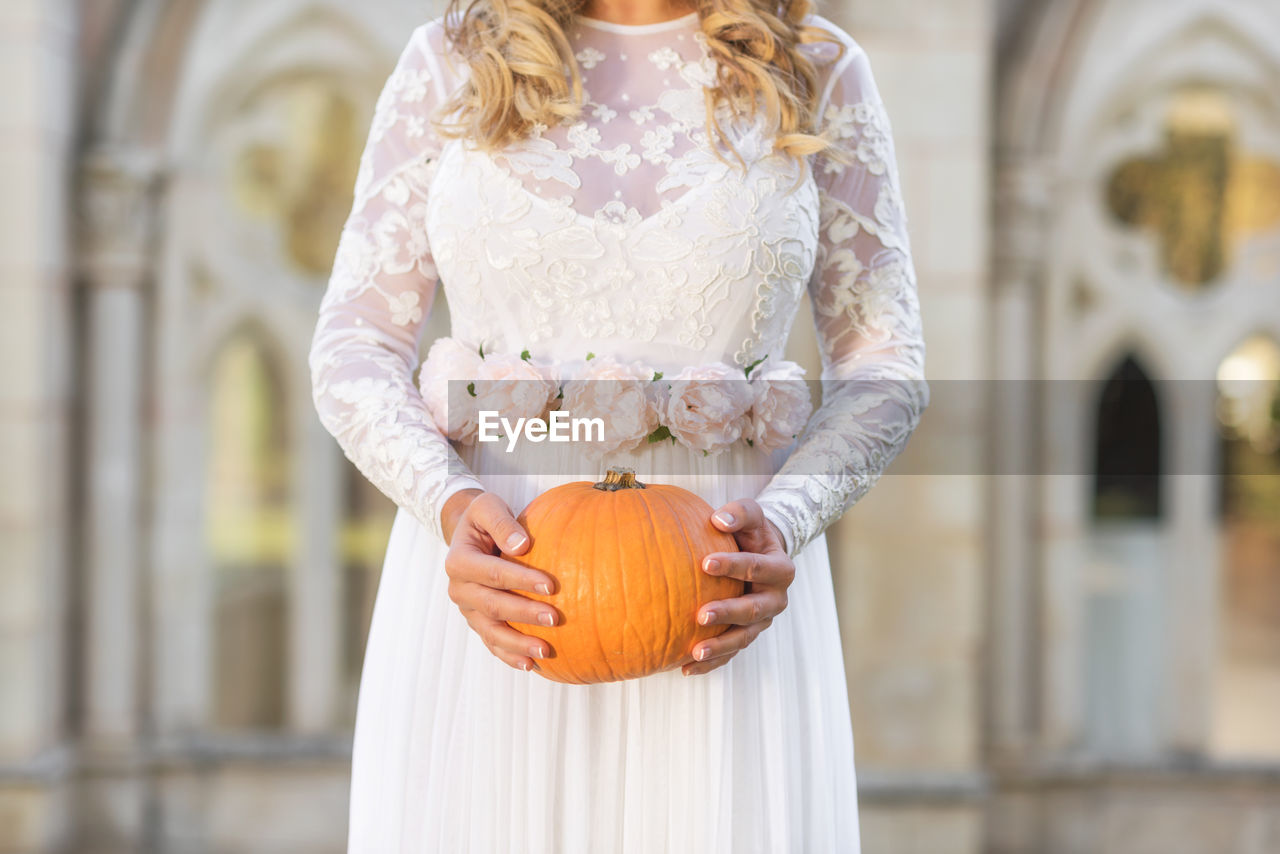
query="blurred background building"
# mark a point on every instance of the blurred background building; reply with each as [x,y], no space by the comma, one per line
[1061,610]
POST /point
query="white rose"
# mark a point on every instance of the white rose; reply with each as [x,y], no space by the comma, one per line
[782,406]
[449,367]
[513,387]
[618,394]
[707,407]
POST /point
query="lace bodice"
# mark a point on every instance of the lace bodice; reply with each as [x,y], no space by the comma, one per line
[623,233]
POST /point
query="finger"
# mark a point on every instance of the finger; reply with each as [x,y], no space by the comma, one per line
[697,667]
[746,521]
[519,662]
[744,610]
[491,514]
[472,565]
[501,638]
[502,606]
[768,569]
[737,515]
[732,641]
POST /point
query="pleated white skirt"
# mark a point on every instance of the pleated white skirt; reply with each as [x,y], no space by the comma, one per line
[457,753]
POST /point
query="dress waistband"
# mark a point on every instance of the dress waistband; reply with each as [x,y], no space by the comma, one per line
[608,405]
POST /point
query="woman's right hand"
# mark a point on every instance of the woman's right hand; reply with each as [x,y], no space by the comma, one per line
[478,526]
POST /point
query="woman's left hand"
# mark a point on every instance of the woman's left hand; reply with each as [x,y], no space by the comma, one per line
[762,563]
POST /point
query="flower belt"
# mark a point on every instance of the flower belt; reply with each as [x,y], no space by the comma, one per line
[707,407]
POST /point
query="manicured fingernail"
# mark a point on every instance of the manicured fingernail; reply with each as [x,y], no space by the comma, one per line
[703,654]
[708,617]
[536,652]
[544,589]
[526,666]
[515,541]
[547,618]
[723,518]
[711,565]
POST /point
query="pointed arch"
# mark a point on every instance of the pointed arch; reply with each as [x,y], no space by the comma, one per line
[148,62]
[1248,422]
[250,528]
[1127,445]
[1246,698]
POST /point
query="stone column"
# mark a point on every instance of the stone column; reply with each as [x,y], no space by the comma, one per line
[1067,410]
[1191,619]
[37,335]
[315,598]
[1021,201]
[117,223]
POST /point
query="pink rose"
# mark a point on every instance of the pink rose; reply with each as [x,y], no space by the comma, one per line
[450,405]
[782,406]
[618,394]
[513,387]
[707,407]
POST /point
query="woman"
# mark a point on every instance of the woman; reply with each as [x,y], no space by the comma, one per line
[559,169]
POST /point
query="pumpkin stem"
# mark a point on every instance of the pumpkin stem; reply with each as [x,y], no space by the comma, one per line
[619,477]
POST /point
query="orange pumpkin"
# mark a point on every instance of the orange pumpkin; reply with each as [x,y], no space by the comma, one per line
[627,560]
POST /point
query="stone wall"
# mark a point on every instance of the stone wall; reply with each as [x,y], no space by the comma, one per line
[909,558]
[37,418]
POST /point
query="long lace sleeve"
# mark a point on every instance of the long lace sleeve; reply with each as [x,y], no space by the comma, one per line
[867,318]
[365,347]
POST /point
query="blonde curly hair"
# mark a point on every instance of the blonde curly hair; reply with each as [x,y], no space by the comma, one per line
[518,53]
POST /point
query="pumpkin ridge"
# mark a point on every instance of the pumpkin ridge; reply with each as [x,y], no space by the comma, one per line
[618,581]
[596,627]
[672,637]
[573,509]
[659,549]
[561,515]
[625,624]
[646,548]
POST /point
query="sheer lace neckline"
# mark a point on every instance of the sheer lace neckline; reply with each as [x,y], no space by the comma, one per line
[656,27]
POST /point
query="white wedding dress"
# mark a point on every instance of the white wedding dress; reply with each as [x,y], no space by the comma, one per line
[621,234]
